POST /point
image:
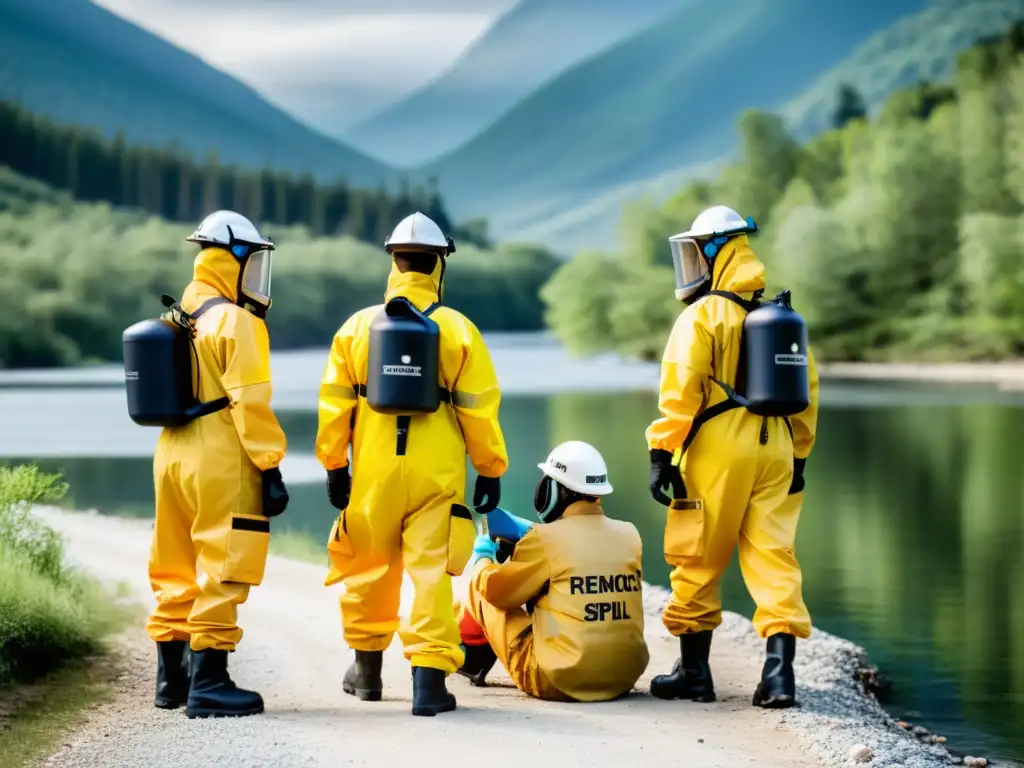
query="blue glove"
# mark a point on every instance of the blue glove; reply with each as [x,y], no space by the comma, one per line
[502,524]
[484,549]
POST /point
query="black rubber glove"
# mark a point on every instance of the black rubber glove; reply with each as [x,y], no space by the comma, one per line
[339,486]
[797,485]
[275,495]
[505,550]
[665,475]
[486,488]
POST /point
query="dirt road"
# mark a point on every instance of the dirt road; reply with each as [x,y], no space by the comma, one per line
[293,653]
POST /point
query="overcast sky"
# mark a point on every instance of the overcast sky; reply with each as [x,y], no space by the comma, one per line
[331,62]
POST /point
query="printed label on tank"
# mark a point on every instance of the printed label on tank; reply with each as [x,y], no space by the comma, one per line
[791,360]
[131,375]
[400,370]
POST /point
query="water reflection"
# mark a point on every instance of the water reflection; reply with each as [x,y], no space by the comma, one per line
[912,539]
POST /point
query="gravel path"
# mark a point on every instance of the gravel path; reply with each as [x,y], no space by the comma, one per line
[293,654]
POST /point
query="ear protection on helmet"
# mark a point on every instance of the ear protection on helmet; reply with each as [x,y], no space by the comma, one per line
[712,247]
[544,499]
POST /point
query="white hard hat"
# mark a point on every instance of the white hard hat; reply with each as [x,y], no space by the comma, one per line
[227,228]
[717,220]
[418,232]
[579,467]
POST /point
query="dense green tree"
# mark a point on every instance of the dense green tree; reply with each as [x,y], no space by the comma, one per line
[769,157]
[849,106]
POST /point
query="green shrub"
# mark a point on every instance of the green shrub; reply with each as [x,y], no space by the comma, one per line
[20,488]
[49,612]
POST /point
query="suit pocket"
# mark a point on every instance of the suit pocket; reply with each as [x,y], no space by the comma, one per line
[340,553]
[684,530]
[245,558]
[461,537]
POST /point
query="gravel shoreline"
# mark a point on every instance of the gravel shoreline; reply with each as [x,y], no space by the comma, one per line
[292,643]
[837,716]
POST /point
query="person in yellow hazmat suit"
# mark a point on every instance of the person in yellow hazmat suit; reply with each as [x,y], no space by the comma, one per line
[564,613]
[402,506]
[217,479]
[737,478]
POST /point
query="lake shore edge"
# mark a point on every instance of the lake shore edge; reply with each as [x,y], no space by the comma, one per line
[297,373]
[1007,375]
[842,721]
[837,716]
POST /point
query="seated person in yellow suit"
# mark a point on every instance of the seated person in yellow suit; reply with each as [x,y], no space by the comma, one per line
[580,636]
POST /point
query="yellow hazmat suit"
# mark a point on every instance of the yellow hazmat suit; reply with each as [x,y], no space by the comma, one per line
[739,465]
[207,473]
[583,639]
[406,508]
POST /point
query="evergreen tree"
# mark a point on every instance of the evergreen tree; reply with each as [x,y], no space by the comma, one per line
[849,106]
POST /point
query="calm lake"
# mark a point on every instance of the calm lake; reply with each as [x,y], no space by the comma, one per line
[912,537]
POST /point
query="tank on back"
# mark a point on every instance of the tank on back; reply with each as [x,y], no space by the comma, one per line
[402,371]
[775,357]
[158,364]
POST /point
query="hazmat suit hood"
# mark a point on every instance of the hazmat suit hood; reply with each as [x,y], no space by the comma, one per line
[215,272]
[422,290]
[737,268]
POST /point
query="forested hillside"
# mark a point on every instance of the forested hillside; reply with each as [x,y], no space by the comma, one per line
[74,275]
[660,112]
[173,186]
[900,237]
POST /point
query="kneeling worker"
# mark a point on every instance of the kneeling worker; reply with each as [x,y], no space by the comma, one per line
[564,613]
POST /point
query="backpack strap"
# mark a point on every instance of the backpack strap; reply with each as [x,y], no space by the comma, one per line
[748,304]
[733,398]
[430,310]
[208,305]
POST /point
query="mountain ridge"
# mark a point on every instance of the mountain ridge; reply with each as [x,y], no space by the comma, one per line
[75,61]
[497,71]
[923,45]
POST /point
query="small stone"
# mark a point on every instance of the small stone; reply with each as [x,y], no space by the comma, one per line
[920,730]
[700,741]
[975,762]
[902,724]
[861,753]
[940,739]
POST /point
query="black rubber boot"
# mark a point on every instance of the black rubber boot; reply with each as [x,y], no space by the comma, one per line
[777,689]
[172,674]
[362,679]
[479,660]
[691,675]
[429,694]
[214,693]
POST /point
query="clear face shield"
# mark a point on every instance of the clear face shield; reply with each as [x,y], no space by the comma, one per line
[692,269]
[256,276]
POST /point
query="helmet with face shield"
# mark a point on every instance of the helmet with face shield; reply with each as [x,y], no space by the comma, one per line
[694,251]
[237,235]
